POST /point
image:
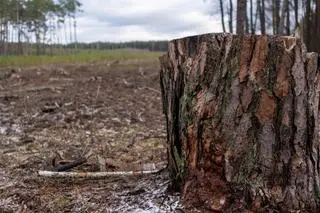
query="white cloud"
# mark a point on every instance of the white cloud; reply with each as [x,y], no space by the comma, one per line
[125,20]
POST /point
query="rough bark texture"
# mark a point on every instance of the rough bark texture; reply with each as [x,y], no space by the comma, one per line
[242,118]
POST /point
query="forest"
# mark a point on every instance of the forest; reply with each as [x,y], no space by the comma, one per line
[275,17]
[144,45]
[48,27]
[39,22]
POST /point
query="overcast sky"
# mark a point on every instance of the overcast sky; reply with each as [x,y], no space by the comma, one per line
[126,20]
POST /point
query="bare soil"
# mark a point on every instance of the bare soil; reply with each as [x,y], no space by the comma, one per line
[104,110]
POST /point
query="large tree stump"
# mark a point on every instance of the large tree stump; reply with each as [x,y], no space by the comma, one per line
[242,117]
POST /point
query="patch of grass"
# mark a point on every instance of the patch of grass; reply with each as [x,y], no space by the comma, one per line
[82,56]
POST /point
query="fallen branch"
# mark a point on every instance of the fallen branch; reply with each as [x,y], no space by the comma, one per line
[96,174]
[69,165]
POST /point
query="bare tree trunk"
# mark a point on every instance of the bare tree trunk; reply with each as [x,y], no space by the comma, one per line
[296,12]
[317,27]
[43,42]
[11,41]
[59,40]
[281,26]
[222,16]
[255,20]
[242,115]
[65,33]
[241,16]
[38,40]
[247,28]
[19,29]
[75,33]
[2,32]
[29,44]
[230,16]
[275,16]
[307,20]
[282,16]
[251,17]
[70,32]
[6,37]
[288,25]
[262,18]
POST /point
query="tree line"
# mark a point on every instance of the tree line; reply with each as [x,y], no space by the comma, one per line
[28,26]
[278,17]
[144,45]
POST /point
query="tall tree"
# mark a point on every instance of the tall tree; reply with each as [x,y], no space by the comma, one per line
[241,16]
[281,26]
[317,26]
[230,13]
[251,18]
[275,16]
[26,20]
[296,12]
[222,15]
[307,24]
[288,23]
[261,9]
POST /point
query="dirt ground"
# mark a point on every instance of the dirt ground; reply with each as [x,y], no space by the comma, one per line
[107,112]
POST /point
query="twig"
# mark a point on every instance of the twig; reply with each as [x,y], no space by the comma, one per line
[96,174]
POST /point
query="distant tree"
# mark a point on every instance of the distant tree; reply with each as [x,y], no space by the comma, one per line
[317,26]
[241,16]
[285,8]
[307,22]
[226,14]
[23,21]
[296,12]
[262,17]
[230,12]
[251,18]
[222,15]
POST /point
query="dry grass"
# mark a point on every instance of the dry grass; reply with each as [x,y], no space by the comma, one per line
[82,56]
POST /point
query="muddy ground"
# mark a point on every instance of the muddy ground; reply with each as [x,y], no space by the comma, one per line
[107,112]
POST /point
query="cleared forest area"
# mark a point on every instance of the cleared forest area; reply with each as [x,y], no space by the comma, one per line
[106,111]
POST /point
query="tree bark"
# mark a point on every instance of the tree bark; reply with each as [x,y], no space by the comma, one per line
[242,115]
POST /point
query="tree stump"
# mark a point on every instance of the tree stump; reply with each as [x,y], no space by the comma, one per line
[242,116]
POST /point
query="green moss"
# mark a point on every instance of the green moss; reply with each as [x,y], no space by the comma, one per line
[247,166]
[180,163]
[318,195]
[61,202]
[187,113]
